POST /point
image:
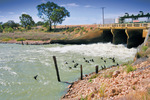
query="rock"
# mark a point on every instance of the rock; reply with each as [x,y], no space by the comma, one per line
[115,74]
[134,82]
[92,96]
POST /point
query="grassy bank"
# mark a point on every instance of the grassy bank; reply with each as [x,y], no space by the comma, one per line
[41,33]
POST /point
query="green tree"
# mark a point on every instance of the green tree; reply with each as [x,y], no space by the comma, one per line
[39,23]
[52,13]
[26,20]
[28,27]
[10,29]
[1,29]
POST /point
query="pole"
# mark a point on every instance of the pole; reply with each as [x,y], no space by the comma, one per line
[57,72]
[103,14]
[81,72]
[96,69]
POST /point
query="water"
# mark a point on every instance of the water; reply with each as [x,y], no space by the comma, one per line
[19,64]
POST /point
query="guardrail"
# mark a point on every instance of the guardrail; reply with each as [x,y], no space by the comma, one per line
[126,25]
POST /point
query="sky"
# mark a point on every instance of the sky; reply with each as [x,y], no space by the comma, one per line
[81,11]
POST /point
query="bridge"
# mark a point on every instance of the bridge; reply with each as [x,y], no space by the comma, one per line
[132,34]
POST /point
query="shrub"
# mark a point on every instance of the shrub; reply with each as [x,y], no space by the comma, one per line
[138,55]
[91,28]
[21,39]
[6,29]
[1,29]
[6,39]
[70,29]
[10,29]
[144,48]
[130,68]
[102,89]
[28,27]
[93,76]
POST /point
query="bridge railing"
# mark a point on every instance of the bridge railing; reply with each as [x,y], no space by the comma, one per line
[126,25]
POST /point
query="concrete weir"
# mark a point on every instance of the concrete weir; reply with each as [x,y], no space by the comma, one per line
[119,36]
[134,37]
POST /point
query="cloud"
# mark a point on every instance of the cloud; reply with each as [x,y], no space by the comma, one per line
[23,13]
[43,1]
[87,6]
[11,13]
[70,5]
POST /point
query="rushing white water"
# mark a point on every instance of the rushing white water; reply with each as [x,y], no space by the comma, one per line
[19,64]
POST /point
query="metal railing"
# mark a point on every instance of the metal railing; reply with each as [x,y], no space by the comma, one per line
[126,25]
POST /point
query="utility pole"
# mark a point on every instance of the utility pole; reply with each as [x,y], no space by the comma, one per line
[103,14]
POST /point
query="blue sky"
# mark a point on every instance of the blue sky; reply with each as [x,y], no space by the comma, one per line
[81,11]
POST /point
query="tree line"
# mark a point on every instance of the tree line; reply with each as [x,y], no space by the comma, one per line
[51,13]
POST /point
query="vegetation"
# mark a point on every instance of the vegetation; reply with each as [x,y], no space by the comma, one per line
[21,39]
[52,13]
[130,68]
[1,29]
[26,20]
[144,48]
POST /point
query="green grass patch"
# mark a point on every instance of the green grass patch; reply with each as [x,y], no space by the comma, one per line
[144,48]
[93,76]
[21,39]
[6,39]
[130,68]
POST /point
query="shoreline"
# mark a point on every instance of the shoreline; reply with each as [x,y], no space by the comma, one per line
[27,42]
[120,81]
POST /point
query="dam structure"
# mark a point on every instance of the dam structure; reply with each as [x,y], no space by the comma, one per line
[132,34]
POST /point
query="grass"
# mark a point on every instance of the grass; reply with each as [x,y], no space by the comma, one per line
[93,76]
[144,48]
[6,39]
[21,39]
[130,68]
[102,89]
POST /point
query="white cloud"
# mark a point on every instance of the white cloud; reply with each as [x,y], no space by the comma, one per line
[11,13]
[23,13]
[87,6]
[70,5]
[43,1]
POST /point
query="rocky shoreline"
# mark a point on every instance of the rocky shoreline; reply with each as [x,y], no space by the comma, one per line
[114,83]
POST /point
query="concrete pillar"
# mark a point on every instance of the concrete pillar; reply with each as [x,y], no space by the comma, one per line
[119,36]
[134,37]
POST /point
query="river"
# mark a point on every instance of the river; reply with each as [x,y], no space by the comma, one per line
[20,63]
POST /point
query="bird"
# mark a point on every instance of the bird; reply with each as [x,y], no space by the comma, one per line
[76,65]
[73,61]
[70,67]
[117,64]
[66,63]
[102,58]
[87,61]
[35,77]
[102,67]
[105,61]
[92,60]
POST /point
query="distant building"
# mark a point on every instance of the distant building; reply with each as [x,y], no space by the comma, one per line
[109,21]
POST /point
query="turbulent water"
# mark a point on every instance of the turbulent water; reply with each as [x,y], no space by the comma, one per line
[20,63]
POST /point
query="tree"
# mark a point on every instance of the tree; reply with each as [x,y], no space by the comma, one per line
[52,13]
[39,23]
[1,29]
[26,20]
[141,13]
[11,24]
